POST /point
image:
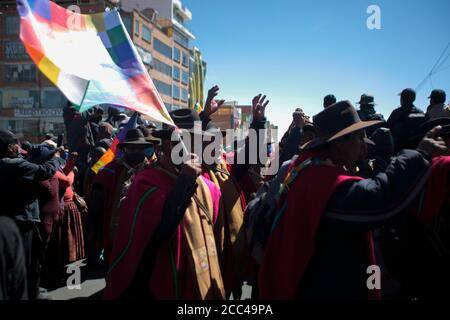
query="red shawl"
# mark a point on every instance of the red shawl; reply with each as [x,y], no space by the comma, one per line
[437,190]
[291,245]
[107,179]
[141,214]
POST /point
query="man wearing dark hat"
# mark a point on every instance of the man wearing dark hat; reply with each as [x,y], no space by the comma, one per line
[437,107]
[321,245]
[402,121]
[110,185]
[165,246]
[18,181]
[328,100]
[366,110]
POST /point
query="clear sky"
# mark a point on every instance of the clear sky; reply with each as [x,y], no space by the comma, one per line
[297,51]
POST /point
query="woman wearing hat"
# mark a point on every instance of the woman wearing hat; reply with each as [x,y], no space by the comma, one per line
[321,246]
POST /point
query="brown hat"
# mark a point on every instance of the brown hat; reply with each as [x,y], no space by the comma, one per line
[336,121]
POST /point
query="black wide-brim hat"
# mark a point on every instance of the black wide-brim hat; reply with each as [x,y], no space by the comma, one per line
[336,121]
[134,137]
[152,139]
[367,100]
[187,120]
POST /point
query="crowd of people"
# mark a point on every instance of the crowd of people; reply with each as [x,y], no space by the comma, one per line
[352,191]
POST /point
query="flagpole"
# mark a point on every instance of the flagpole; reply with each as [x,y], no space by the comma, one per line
[185,150]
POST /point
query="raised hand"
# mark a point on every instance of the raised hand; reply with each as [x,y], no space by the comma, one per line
[434,145]
[211,105]
[259,107]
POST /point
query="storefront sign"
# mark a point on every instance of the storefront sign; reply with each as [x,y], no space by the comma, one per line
[15,50]
[21,102]
[38,113]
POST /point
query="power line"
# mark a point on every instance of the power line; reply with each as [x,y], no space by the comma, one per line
[441,64]
[428,76]
[440,57]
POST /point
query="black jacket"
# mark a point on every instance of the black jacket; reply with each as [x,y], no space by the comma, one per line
[338,267]
[292,146]
[404,123]
[18,179]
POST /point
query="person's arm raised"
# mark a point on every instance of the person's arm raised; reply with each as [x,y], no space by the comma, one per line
[211,106]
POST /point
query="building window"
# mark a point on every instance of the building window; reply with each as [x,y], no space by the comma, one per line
[184,95]
[12,25]
[176,92]
[178,17]
[136,27]
[185,77]
[180,39]
[20,72]
[53,99]
[168,106]
[162,67]
[185,59]
[191,65]
[162,48]
[176,73]
[176,54]
[15,50]
[146,34]
[163,88]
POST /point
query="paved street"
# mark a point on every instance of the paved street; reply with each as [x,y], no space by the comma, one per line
[92,284]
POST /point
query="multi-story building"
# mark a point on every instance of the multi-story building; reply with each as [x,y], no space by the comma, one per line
[171,45]
[30,104]
[231,115]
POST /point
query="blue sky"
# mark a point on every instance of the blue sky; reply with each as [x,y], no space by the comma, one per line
[297,51]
